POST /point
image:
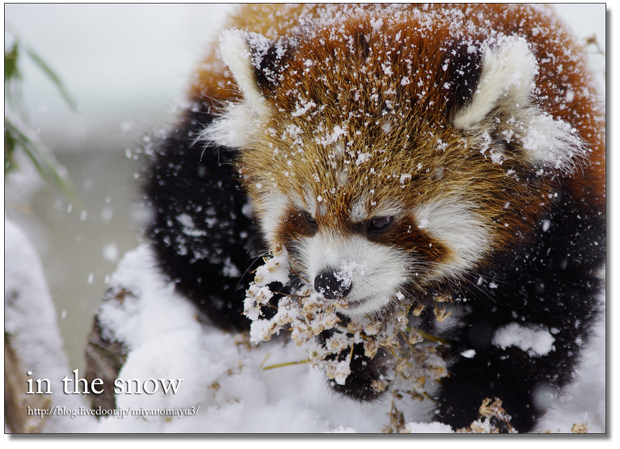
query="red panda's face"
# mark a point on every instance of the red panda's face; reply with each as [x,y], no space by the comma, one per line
[372,235]
[386,162]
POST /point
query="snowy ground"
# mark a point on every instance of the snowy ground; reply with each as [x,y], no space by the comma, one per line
[225,387]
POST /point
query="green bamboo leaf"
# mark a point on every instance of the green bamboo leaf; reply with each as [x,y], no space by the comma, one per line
[55,79]
[10,64]
[12,78]
[17,135]
[41,157]
[10,142]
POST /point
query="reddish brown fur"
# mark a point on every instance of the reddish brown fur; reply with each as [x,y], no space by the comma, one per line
[418,125]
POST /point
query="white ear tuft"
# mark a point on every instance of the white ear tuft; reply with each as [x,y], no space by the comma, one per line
[241,120]
[507,78]
[508,71]
[237,56]
[552,143]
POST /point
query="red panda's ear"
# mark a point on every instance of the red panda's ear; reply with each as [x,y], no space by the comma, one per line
[237,55]
[255,62]
[503,108]
[506,77]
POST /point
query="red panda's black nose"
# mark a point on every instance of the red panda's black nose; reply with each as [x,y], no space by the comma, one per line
[332,286]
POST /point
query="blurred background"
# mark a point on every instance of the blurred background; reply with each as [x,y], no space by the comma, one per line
[127,66]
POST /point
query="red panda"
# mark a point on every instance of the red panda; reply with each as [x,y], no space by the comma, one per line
[398,153]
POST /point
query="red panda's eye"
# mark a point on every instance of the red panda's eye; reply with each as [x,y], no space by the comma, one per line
[380,224]
[309,219]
